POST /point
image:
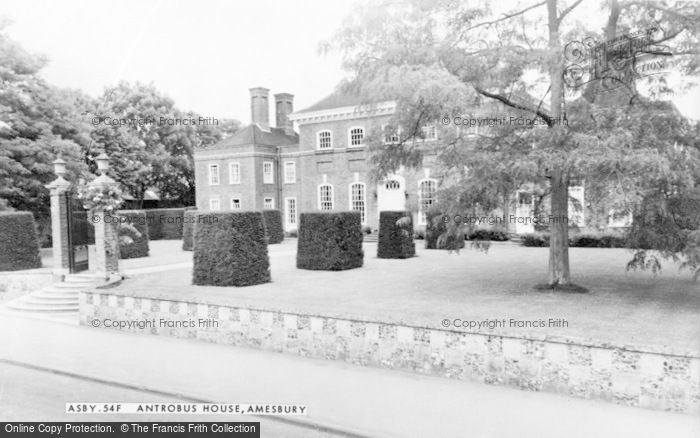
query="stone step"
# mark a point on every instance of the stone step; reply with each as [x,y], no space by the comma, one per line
[82,282]
[370,238]
[50,295]
[75,286]
[38,300]
[61,290]
[77,278]
[60,298]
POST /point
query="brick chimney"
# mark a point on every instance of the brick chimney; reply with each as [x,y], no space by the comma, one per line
[259,107]
[284,106]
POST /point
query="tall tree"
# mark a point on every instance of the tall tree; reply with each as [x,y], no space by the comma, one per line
[445,58]
[38,123]
[152,141]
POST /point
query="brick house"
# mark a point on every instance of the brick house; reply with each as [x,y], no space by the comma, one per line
[323,167]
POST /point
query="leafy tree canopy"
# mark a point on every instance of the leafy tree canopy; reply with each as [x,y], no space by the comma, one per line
[441,59]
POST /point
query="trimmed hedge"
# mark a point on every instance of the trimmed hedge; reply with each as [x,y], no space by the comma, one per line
[165,223]
[273,226]
[583,240]
[601,240]
[134,225]
[484,234]
[435,228]
[230,249]
[395,235]
[19,243]
[189,221]
[535,239]
[330,241]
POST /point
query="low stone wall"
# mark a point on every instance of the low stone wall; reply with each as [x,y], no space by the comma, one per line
[614,373]
[16,283]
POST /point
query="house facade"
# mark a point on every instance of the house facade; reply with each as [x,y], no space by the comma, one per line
[322,165]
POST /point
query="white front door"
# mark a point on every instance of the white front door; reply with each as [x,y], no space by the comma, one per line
[524,214]
[391,194]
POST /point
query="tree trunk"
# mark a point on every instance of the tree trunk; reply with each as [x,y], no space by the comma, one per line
[559,220]
[559,230]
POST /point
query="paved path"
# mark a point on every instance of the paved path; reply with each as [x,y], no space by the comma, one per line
[365,401]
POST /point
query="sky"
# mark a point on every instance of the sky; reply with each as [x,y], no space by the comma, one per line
[204,54]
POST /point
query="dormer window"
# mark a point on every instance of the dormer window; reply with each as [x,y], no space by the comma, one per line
[324,140]
[356,137]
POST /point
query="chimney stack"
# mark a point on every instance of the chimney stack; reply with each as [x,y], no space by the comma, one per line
[259,107]
[284,106]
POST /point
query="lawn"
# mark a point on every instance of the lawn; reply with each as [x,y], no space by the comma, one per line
[633,308]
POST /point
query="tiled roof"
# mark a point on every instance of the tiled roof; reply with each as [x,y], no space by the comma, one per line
[337,99]
[252,134]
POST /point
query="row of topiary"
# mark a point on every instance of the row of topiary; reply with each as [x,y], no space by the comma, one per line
[230,249]
[19,245]
[330,241]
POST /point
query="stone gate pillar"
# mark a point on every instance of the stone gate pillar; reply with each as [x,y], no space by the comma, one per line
[59,220]
[106,228]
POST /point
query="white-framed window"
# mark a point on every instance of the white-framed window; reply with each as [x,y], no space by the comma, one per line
[427,195]
[290,172]
[213,174]
[324,140]
[356,136]
[325,197]
[429,132]
[268,203]
[358,199]
[290,213]
[234,172]
[214,204]
[235,204]
[391,134]
[268,172]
